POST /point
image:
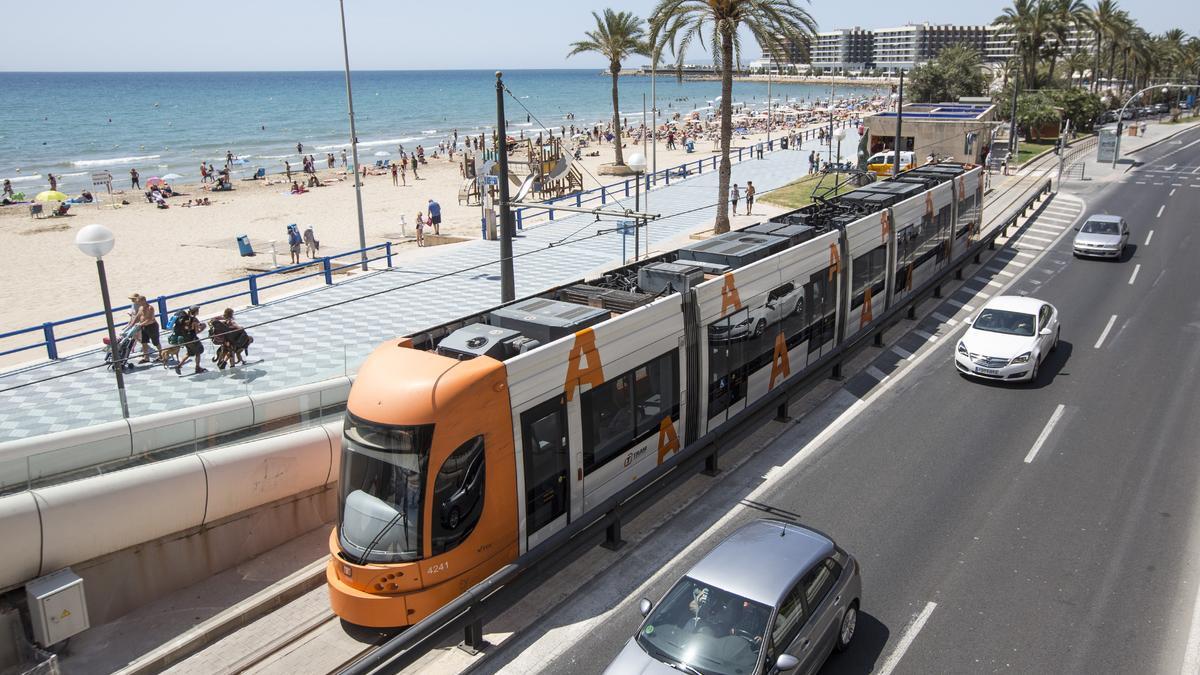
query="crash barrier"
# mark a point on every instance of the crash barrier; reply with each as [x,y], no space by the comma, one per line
[28,461]
[469,611]
[181,503]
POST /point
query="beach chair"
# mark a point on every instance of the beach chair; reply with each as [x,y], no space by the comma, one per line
[35,211]
[379,164]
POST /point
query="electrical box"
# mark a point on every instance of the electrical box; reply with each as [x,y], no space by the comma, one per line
[657,277]
[57,607]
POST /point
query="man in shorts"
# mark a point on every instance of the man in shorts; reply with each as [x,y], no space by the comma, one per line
[148,324]
[435,216]
[749,196]
[188,329]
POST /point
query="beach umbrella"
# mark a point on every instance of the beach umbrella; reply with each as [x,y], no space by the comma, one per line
[50,196]
[172,176]
[153,180]
[382,153]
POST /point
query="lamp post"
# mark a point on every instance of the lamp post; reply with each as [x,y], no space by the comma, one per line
[637,162]
[96,241]
[839,135]
[362,233]
[508,286]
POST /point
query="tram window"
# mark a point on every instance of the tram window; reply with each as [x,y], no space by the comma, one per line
[458,495]
[627,408]
[868,269]
[820,303]
[546,462]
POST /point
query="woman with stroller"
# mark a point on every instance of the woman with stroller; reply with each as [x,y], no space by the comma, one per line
[230,338]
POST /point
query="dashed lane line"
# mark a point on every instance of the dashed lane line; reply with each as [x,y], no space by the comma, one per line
[1111,320]
[1149,236]
[1160,210]
[906,639]
[1133,277]
[1041,439]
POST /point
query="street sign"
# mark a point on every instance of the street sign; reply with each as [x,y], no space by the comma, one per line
[627,227]
[491,180]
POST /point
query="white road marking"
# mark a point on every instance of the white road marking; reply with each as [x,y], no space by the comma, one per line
[1016,263]
[1173,191]
[1111,320]
[983,296]
[995,283]
[1041,439]
[956,303]
[876,373]
[1141,182]
[906,640]
[1191,655]
[928,337]
[1196,170]
[1133,277]
[1033,247]
[1003,273]
[1160,210]
[904,353]
[1148,237]
[1026,254]
[1030,236]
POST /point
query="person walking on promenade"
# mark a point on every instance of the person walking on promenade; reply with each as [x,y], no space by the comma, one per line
[294,241]
[311,245]
[395,176]
[53,181]
[187,333]
[734,196]
[749,196]
[435,216]
[135,180]
[148,327]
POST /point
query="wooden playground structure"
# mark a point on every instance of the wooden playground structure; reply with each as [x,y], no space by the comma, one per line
[550,161]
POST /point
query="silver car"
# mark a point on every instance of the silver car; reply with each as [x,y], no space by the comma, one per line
[772,597]
[1102,236]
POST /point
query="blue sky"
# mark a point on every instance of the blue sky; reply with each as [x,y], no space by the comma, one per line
[401,34]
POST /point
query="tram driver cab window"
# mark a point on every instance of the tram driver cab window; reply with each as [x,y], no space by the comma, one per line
[458,495]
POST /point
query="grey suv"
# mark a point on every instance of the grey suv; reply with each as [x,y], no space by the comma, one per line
[771,597]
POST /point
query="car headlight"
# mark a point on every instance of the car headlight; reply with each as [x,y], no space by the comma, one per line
[962,348]
[747,322]
[1023,358]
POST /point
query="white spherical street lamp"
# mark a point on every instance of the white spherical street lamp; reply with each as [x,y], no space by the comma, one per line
[96,241]
[637,162]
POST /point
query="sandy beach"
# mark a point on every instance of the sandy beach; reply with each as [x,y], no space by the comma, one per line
[163,251]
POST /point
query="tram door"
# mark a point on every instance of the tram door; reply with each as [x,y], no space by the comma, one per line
[546,455]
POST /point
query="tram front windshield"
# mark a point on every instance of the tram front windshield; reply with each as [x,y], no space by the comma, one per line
[382,490]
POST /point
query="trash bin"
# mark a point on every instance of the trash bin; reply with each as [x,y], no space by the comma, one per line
[244,245]
[691,146]
[783,143]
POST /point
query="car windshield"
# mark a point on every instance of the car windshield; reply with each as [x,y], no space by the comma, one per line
[710,630]
[382,490]
[1101,227]
[1003,321]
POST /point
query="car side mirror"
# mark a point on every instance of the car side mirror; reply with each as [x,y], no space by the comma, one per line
[1044,331]
[645,606]
[786,662]
[969,320]
[1077,228]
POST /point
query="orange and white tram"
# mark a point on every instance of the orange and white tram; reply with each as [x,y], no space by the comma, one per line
[470,444]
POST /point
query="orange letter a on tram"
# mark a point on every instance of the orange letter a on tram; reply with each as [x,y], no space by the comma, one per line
[668,440]
[578,374]
[729,295]
[780,365]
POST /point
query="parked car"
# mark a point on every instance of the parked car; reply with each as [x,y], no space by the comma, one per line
[1102,236]
[880,163]
[1009,339]
[797,602]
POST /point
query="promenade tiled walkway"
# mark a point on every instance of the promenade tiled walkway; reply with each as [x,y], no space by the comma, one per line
[327,332]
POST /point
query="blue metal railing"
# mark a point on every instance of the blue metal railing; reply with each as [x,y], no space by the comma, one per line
[251,286]
[621,190]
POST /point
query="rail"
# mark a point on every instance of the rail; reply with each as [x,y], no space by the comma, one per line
[628,187]
[469,611]
[251,285]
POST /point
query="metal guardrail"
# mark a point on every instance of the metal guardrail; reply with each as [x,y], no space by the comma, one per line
[173,302]
[623,189]
[469,611]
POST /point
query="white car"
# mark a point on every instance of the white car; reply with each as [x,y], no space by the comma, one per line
[1008,339]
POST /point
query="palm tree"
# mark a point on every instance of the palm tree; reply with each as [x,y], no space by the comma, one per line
[1030,23]
[774,24]
[1104,20]
[1066,16]
[618,35]
[1174,42]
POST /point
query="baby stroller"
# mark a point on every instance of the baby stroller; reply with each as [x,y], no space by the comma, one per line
[232,343]
[125,342]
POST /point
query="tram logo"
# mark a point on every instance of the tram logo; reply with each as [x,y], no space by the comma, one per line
[668,440]
[578,374]
[779,361]
[729,295]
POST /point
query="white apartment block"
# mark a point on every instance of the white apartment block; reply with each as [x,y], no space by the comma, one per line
[843,51]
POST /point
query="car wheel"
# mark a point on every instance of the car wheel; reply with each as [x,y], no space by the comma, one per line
[1057,335]
[1033,376]
[849,624]
[760,327]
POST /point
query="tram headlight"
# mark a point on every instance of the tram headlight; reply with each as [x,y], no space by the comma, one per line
[1023,358]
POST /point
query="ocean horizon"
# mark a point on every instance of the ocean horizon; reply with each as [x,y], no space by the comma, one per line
[75,123]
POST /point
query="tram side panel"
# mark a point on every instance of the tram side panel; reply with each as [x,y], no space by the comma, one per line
[867,243]
[968,195]
[595,411]
[763,323]
[923,229]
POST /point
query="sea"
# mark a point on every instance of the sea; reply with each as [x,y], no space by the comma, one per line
[166,124]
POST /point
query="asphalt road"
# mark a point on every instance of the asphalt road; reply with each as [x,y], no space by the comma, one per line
[1081,559]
